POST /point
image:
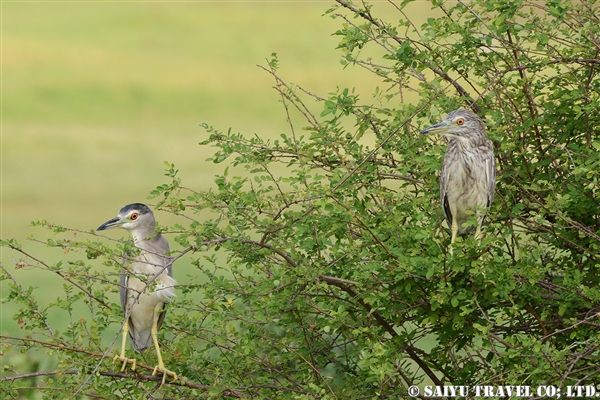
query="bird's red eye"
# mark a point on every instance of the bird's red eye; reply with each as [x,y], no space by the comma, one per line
[460,121]
[133,216]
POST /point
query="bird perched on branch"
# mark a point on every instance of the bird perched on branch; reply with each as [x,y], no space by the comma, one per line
[468,175]
[146,283]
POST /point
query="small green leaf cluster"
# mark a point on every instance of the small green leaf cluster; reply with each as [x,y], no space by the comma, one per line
[321,258]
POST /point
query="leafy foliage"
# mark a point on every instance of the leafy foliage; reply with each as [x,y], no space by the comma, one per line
[323,256]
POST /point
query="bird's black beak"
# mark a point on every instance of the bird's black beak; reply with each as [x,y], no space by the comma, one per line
[113,223]
[437,128]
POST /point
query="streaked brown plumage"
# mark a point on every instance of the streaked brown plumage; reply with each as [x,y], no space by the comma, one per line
[468,176]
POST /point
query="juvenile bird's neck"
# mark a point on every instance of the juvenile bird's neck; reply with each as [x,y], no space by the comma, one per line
[472,143]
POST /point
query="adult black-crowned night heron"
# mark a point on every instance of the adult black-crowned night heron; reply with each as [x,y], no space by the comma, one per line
[468,172]
[146,283]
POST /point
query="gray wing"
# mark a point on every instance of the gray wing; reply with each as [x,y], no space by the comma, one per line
[163,244]
[490,171]
[443,185]
[123,278]
[123,289]
[161,316]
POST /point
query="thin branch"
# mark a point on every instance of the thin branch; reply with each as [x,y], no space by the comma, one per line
[59,273]
[398,40]
[410,350]
[140,377]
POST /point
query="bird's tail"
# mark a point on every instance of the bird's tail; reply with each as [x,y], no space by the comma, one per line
[141,340]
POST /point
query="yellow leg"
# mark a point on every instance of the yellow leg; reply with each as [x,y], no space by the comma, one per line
[454,229]
[161,365]
[122,357]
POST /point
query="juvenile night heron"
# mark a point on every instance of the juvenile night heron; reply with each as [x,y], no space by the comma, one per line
[468,172]
[146,283]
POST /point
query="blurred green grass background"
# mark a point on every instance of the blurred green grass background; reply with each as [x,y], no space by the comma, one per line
[96,96]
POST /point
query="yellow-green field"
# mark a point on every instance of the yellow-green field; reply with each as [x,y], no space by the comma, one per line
[96,96]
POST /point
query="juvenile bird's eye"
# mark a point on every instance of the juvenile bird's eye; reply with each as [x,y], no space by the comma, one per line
[133,216]
[460,121]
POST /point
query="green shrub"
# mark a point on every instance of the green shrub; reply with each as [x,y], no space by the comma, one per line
[323,253]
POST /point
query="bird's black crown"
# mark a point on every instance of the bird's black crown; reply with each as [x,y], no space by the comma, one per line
[139,207]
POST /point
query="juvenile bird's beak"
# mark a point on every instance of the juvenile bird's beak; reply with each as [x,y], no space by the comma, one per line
[113,223]
[437,128]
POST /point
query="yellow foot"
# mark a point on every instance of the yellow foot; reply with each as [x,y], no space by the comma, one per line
[165,372]
[125,361]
